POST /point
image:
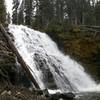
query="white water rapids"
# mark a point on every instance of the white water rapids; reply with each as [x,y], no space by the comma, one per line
[50,67]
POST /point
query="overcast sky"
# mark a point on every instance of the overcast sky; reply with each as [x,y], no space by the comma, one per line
[9,6]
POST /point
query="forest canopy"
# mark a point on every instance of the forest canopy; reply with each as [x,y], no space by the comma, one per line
[50,14]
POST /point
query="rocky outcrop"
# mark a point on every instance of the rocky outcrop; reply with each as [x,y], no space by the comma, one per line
[20,59]
[64,96]
[7,61]
[20,93]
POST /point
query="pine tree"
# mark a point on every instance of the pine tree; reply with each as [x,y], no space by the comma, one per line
[97,13]
[28,12]
[21,10]
[8,18]
[2,12]
[15,12]
[44,12]
[21,17]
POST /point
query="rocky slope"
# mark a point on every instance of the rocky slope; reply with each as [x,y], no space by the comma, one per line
[14,84]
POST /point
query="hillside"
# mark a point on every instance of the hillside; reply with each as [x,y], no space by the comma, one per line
[82,44]
[14,84]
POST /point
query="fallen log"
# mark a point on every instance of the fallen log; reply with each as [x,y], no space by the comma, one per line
[20,59]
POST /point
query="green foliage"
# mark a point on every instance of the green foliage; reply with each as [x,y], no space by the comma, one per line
[8,18]
[75,30]
[2,12]
[97,13]
[54,26]
[28,12]
[20,17]
[36,24]
[41,14]
[15,12]
[7,64]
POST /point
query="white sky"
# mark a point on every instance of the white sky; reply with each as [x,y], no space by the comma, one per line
[9,6]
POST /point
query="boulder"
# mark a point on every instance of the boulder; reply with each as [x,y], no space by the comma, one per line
[58,95]
[64,96]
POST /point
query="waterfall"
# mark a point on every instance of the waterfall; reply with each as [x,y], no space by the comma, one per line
[48,65]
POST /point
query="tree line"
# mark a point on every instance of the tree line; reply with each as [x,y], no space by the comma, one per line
[53,14]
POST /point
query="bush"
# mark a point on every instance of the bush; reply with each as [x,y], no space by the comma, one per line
[54,26]
[75,29]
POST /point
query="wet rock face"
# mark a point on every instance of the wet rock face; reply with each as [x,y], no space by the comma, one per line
[9,70]
[42,65]
[67,96]
[7,62]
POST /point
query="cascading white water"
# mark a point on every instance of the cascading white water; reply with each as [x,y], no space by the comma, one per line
[47,64]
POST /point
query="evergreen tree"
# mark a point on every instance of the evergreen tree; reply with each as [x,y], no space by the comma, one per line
[45,12]
[21,10]
[8,18]
[77,11]
[28,12]
[15,12]
[2,12]
[97,13]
